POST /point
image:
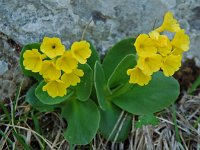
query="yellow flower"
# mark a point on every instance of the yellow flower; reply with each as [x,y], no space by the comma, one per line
[169,24]
[66,62]
[171,64]
[52,47]
[138,77]
[81,51]
[144,45]
[55,88]
[72,78]
[180,42]
[150,64]
[49,70]
[163,43]
[33,60]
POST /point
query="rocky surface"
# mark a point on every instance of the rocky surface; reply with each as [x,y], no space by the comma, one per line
[11,75]
[28,21]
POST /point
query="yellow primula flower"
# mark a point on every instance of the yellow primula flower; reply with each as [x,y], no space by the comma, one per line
[66,62]
[150,64]
[72,78]
[171,64]
[144,45]
[138,77]
[180,42]
[49,70]
[33,60]
[52,47]
[81,51]
[55,88]
[163,43]
[169,24]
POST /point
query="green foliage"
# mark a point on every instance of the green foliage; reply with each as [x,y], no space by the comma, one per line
[94,56]
[117,99]
[29,73]
[112,127]
[83,121]
[100,85]
[46,99]
[141,100]
[138,100]
[119,76]
[149,119]
[116,54]
[35,102]
[194,86]
[84,88]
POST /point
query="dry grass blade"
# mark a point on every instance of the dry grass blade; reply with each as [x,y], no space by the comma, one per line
[27,129]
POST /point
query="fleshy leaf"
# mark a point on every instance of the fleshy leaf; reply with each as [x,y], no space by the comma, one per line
[141,100]
[94,56]
[35,102]
[116,54]
[84,88]
[29,73]
[100,85]
[119,75]
[83,121]
[46,99]
[149,119]
[109,118]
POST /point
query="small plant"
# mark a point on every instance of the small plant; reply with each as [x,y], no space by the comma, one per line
[134,78]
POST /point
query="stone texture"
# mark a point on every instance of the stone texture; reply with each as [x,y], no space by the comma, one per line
[28,21]
[11,75]
[3,67]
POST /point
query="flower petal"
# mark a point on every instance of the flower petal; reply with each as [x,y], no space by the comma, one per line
[81,51]
[150,64]
[66,62]
[138,77]
[72,78]
[181,41]
[145,46]
[169,24]
[32,60]
[49,70]
[55,88]
[52,47]
[171,64]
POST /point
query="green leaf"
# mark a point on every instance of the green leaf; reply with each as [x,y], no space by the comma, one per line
[109,128]
[119,75]
[149,119]
[194,86]
[94,56]
[35,102]
[84,88]
[116,54]
[83,121]
[46,99]
[29,73]
[141,100]
[100,85]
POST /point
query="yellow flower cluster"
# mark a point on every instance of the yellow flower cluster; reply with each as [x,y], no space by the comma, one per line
[156,51]
[58,67]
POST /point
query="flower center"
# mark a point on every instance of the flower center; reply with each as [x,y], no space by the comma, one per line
[53,46]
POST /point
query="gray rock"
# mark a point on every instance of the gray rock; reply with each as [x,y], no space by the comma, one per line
[3,67]
[29,21]
[11,75]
